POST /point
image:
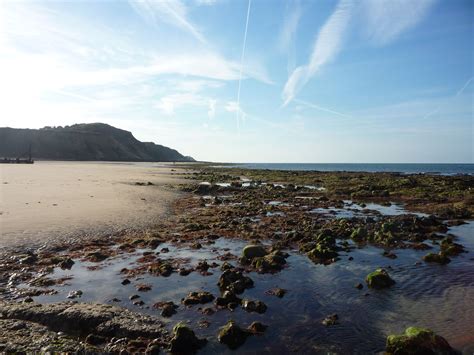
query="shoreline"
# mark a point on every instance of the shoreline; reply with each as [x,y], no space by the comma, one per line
[293,217]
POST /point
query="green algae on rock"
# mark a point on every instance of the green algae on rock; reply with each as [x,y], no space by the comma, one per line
[418,341]
[184,340]
[439,258]
[254,251]
[379,279]
[232,335]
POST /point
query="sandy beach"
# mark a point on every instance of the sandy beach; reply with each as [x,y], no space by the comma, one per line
[51,200]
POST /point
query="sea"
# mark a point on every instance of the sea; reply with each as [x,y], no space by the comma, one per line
[440,169]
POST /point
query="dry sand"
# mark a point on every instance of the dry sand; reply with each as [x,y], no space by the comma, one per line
[51,200]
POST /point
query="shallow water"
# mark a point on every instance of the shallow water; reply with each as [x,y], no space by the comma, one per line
[427,295]
[351,210]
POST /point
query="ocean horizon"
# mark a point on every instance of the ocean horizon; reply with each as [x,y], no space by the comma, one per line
[405,168]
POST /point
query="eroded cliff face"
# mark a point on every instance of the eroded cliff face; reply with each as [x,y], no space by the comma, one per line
[87,142]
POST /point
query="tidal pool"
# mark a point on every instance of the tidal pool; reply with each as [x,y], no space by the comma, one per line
[440,297]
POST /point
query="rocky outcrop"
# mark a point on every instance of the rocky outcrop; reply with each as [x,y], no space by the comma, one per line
[75,321]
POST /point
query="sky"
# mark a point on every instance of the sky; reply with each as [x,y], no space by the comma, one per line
[321,81]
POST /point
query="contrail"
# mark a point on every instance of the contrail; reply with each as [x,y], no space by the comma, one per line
[464,87]
[241,65]
[317,107]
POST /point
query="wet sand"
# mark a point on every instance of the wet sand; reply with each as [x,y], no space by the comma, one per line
[50,200]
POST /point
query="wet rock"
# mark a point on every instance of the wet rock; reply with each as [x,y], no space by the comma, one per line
[134,297]
[197,297]
[125,282]
[331,319]
[359,286]
[28,259]
[227,297]
[82,319]
[226,266]
[449,248]
[232,335]
[66,264]
[153,243]
[254,306]
[418,341]
[184,340]
[271,262]
[359,234]
[167,308]
[254,251]
[323,254]
[279,292]
[232,280]
[379,279]
[94,339]
[74,294]
[96,256]
[439,258]
[389,255]
[257,328]
[143,287]
[184,272]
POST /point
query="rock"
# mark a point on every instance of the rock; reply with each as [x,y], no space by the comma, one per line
[330,320]
[96,256]
[227,297]
[66,264]
[184,272]
[359,234]
[254,306]
[167,308]
[94,339]
[449,248]
[82,319]
[184,340]
[226,266]
[232,280]
[28,259]
[418,341]
[254,251]
[389,255]
[125,282]
[359,286]
[232,335]
[143,287]
[270,263]
[439,258]
[323,253]
[279,292]
[74,294]
[257,328]
[379,279]
[197,297]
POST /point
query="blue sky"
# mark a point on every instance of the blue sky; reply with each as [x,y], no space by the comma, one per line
[320,81]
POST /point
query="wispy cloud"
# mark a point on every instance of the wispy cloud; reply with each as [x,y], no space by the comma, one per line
[173,12]
[381,22]
[288,32]
[326,46]
[386,20]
